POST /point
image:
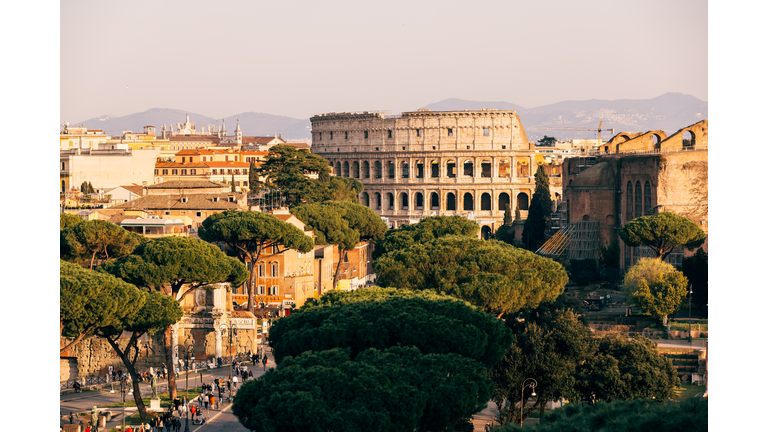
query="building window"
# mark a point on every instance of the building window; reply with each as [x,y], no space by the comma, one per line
[63,165]
[174,172]
[262,290]
[346,135]
[192,172]
[389,133]
[261,270]
[486,131]
[331,135]
[365,134]
[275,270]
[215,171]
[165,172]
[274,290]
[184,172]
[418,132]
[183,159]
[199,214]
[319,136]
[275,248]
[156,171]
[450,132]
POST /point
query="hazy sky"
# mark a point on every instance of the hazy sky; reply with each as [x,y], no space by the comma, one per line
[299,58]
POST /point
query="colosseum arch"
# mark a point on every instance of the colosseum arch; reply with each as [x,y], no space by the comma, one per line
[522,201]
[404,171]
[434,169]
[377,170]
[356,169]
[503,201]
[390,201]
[366,169]
[391,169]
[485,232]
[468,168]
[505,170]
[376,201]
[450,168]
[418,201]
[419,169]
[468,201]
[403,201]
[638,199]
[656,141]
[345,167]
[434,201]
[486,168]
[364,199]
[338,169]
[485,202]
[450,201]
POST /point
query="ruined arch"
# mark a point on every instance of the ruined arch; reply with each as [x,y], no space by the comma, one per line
[377,201]
[419,169]
[468,168]
[377,170]
[503,201]
[390,201]
[450,168]
[485,232]
[338,168]
[522,201]
[689,139]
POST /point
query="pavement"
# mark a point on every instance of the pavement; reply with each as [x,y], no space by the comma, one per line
[220,419]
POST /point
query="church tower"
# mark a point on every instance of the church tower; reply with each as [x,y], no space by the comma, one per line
[238,133]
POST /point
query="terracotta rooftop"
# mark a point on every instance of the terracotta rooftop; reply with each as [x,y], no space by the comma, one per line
[202,201]
[186,184]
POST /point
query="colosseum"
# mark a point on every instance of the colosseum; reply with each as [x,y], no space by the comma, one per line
[427,163]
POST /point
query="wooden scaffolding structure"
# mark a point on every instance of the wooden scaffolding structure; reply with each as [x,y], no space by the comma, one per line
[577,240]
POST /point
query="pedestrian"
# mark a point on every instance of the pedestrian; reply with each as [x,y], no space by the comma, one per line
[183,411]
[229,385]
[250,374]
[130,429]
[147,427]
[205,402]
[264,362]
[234,381]
[71,418]
[218,360]
[213,402]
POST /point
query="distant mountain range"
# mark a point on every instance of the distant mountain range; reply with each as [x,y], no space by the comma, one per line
[668,112]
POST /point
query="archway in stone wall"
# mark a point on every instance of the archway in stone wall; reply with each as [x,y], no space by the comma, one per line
[390,201]
[486,168]
[450,168]
[656,141]
[418,201]
[377,201]
[505,169]
[638,200]
[434,169]
[404,169]
[366,169]
[364,200]
[419,169]
[377,170]
[338,169]
[434,201]
[403,201]
[689,139]
[468,168]
[355,169]
[647,199]
[345,168]
[391,169]
[485,232]
[503,201]
[469,202]
[450,202]
[522,201]
[485,202]
[630,204]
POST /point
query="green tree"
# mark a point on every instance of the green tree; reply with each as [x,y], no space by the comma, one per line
[92,242]
[343,224]
[547,141]
[378,318]
[68,219]
[490,274]
[426,230]
[254,184]
[638,415]
[623,368]
[342,189]
[233,184]
[157,313]
[538,212]
[286,168]
[662,233]
[89,300]
[549,344]
[656,286]
[506,232]
[378,390]
[177,267]
[248,234]
[696,270]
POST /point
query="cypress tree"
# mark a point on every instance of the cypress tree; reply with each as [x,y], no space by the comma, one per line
[541,207]
[253,178]
[506,232]
[233,183]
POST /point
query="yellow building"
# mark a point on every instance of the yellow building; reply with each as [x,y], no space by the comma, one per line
[80,138]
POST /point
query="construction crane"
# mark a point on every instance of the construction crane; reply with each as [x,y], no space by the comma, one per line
[599,129]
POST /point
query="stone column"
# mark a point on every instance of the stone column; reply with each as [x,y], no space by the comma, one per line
[174,345]
[531,172]
[218,338]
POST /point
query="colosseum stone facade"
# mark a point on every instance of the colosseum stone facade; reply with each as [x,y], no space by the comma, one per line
[427,163]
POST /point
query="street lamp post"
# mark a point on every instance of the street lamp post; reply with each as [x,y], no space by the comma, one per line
[189,355]
[123,384]
[690,300]
[532,385]
[232,331]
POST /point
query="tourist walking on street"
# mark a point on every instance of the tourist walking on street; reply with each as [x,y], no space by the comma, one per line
[264,361]
[234,381]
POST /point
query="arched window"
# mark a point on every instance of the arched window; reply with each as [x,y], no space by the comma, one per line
[403,201]
[391,169]
[419,201]
[469,168]
[435,171]
[274,269]
[338,168]
[450,202]
[647,198]
[450,169]
[346,169]
[522,201]
[404,169]
[366,170]
[485,232]
[377,170]
[390,201]
[377,201]
[638,200]
[63,186]
[629,202]
[469,203]
[434,201]
[505,169]
[689,139]
[485,202]
[656,141]
[355,169]
[503,201]
[364,200]
[485,168]
[419,169]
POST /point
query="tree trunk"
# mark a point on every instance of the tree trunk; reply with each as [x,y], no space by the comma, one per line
[129,366]
[167,345]
[338,267]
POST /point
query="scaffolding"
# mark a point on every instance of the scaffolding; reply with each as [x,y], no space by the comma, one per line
[577,240]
